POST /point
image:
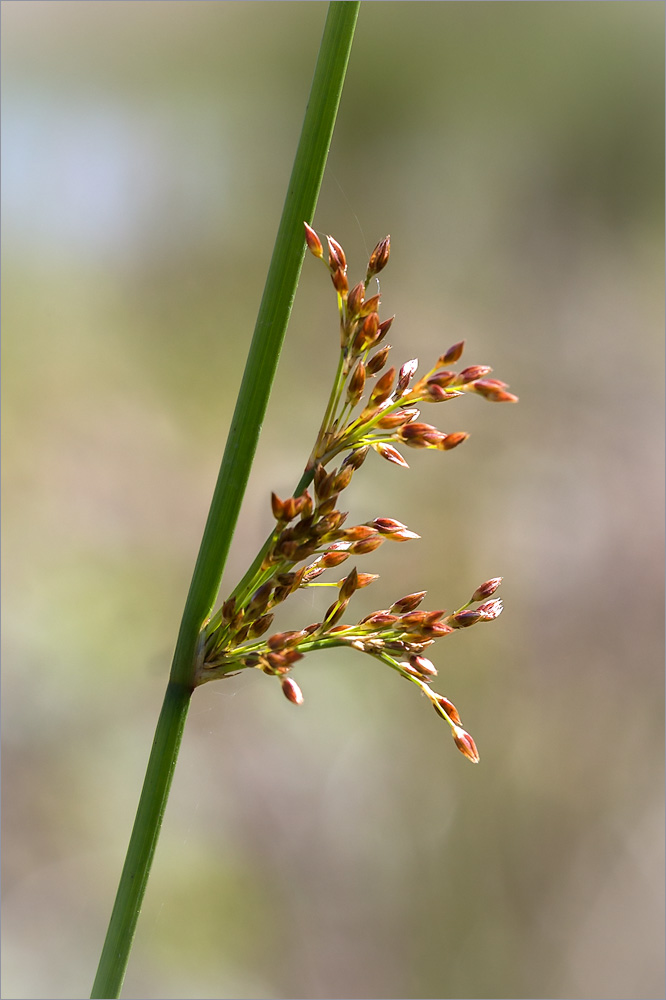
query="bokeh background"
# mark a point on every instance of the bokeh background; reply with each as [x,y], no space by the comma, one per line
[514,151]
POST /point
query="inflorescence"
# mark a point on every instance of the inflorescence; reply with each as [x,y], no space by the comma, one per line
[310,536]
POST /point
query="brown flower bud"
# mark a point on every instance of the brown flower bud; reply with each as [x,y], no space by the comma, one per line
[356,384]
[291,691]
[405,375]
[486,589]
[423,665]
[466,744]
[450,710]
[336,255]
[490,610]
[379,257]
[260,626]
[382,389]
[377,361]
[435,394]
[229,608]
[442,379]
[278,507]
[340,283]
[393,420]
[379,618]
[366,545]
[335,612]
[390,454]
[355,299]
[472,373]
[494,394]
[330,559]
[463,619]
[409,603]
[384,329]
[370,305]
[453,354]
[260,598]
[365,579]
[453,440]
[367,333]
[313,242]
[356,458]
[349,585]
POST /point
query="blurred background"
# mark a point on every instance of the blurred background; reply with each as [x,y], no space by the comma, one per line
[514,152]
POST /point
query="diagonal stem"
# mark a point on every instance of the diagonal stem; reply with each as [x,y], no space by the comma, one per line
[274,311]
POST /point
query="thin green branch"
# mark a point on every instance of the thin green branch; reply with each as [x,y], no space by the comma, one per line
[274,311]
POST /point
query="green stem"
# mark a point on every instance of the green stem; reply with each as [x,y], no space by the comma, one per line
[274,311]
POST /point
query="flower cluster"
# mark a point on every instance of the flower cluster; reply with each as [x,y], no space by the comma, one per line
[370,408]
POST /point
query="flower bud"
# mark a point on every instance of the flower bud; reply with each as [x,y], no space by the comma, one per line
[355,299]
[336,255]
[466,744]
[472,373]
[408,603]
[291,691]
[453,440]
[377,361]
[379,257]
[453,354]
[450,710]
[313,242]
[486,589]
[390,454]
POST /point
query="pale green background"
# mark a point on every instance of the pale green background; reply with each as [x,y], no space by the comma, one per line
[346,849]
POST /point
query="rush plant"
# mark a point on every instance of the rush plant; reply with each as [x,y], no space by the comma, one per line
[373,407]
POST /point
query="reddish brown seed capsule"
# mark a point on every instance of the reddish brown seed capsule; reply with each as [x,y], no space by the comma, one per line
[370,305]
[356,458]
[366,545]
[336,255]
[340,283]
[384,329]
[472,373]
[355,299]
[409,603]
[466,744]
[291,691]
[390,454]
[486,589]
[313,242]
[490,610]
[423,665]
[365,579]
[379,257]
[405,375]
[453,440]
[450,710]
[349,585]
[382,389]
[356,383]
[330,559]
[453,354]
[377,361]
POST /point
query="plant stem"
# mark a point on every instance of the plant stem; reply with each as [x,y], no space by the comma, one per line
[272,319]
